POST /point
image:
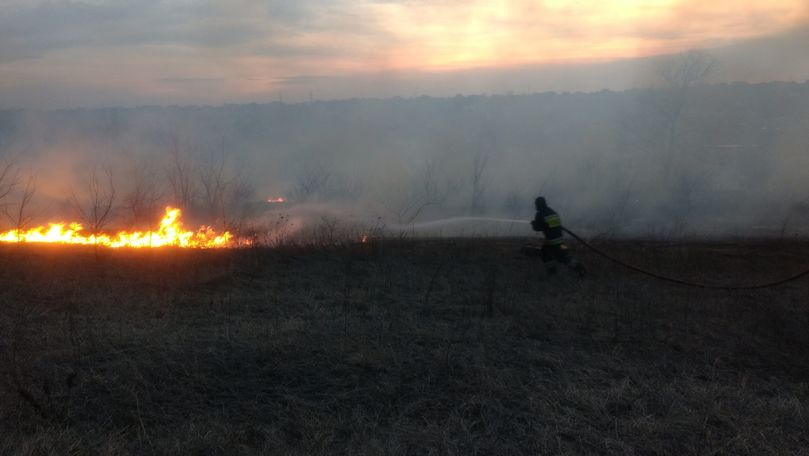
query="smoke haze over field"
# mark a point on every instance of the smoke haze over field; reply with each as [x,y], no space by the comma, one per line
[736,164]
[391,114]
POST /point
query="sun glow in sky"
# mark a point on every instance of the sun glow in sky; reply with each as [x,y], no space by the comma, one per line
[162,51]
[491,33]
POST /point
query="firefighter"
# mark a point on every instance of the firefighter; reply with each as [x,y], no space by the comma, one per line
[553,249]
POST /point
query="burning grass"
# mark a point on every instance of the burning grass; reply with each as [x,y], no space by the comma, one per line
[170,232]
[412,347]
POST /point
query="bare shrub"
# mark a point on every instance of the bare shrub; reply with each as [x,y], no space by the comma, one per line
[8,179]
[144,194]
[478,178]
[95,205]
[227,195]
[239,207]
[180,174]
[19,213]
[276,232]
[326,232]
[311,184]
[430,186]
[408,206]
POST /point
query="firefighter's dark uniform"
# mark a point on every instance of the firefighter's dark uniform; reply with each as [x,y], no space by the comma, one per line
[548,222]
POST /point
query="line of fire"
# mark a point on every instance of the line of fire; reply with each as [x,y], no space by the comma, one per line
[169,233]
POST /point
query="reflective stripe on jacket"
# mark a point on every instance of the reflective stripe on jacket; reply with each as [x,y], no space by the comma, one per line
[549,222]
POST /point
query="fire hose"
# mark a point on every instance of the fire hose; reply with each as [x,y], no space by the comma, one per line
[688,283]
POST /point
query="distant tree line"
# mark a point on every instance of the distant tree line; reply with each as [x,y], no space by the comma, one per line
[679,151]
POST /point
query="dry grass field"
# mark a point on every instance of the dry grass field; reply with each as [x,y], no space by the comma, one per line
[456,347]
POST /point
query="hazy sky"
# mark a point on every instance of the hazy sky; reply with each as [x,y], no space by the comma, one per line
[97,53]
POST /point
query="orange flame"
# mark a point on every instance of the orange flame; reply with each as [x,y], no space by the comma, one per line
[170,233]
[280,199]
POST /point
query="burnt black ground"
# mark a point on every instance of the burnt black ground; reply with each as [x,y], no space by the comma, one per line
[402,347]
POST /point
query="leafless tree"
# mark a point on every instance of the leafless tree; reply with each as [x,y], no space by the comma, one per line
[19,214]
[684,70]
[312,183]
[434,183]
[227,194]
[239,205]
[678,74]
[407,207]
[513,203]
[180,174]
[479,181]
[144,194]
[429,187]
[8,179]
[430,182]
[95,207]
[214,185]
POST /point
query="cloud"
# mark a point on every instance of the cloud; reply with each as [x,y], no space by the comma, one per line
[32,30]
[194,81]
[443,35]
[254,49]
